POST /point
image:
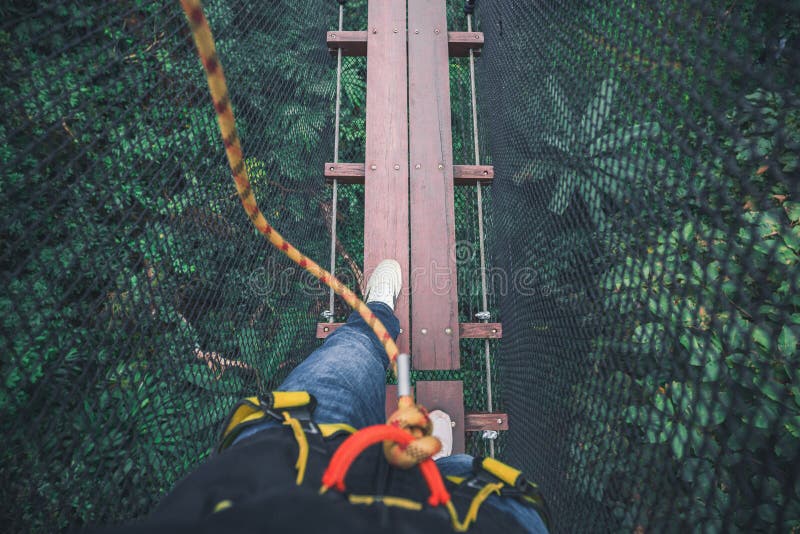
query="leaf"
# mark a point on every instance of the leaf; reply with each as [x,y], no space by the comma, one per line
[598,110]
[702,414]
[768,223]
[564,117]
[761,337]
[660,305]
[764,415]
[787,341]
[594,204]
[563,192]
[663,404]
[711,371]
[615,181]
[792,425]
[679,440]
[623,137]
[771,389]
[687,232]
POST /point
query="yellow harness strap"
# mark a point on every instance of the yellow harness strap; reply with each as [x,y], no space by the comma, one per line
[302,445]
[474,506]
[388,500]
[504,472]
[281,400]
[329,429]
[247,410]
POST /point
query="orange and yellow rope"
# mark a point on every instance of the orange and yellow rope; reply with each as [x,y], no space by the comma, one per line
[219,94]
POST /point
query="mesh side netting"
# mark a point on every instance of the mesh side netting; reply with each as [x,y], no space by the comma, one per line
[643,234]
[137,301]
[647,203]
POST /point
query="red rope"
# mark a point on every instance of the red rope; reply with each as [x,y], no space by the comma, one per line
[353,446]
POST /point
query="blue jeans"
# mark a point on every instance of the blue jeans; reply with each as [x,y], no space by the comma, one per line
[347,375]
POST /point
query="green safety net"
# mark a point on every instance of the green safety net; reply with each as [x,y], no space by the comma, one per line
[642,238]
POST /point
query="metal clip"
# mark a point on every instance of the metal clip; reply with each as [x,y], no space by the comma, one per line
[327,314]
[483,315]
[490,434]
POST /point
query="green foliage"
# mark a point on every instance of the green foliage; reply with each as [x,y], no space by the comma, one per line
[661,329]
[138,304]
[697,374]
[582,148]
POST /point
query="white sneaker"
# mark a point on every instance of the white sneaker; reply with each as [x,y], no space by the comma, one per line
[443,430]
[385,283]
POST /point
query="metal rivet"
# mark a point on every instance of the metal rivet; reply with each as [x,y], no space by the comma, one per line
[499,421]
[401,330]
[436,30]
[453,424]
[494,330]
[395,30]
[333,36]
[417,166]
[416,31]
[441,166]
[325,329]
[373,167]
[331,168]
[485,173]
[477,36]
[374,30]
[424,330]
[448,330]
[397,167]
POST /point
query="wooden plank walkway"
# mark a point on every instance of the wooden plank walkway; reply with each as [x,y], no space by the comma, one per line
[409,179]
[434,297]
[386,199]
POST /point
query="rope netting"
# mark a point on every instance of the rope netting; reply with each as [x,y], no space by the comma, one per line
[138,302]
[647,202]
[641,240]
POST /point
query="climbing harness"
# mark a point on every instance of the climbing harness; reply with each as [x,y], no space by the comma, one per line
[461,497]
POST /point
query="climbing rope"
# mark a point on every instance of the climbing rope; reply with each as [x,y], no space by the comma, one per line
[233,150]
[410,418]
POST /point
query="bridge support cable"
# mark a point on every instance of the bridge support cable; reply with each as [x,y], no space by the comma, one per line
[489,435]
[330,312]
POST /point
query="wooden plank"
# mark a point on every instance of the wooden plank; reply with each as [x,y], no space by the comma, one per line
[434,304]
[354,43]
[353,173]
[465,330]
[481,330]
[326,329]
[351,43]
[471,174]
[448,396]
[479,421]
[344,173]
[386,216]
[460,43]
